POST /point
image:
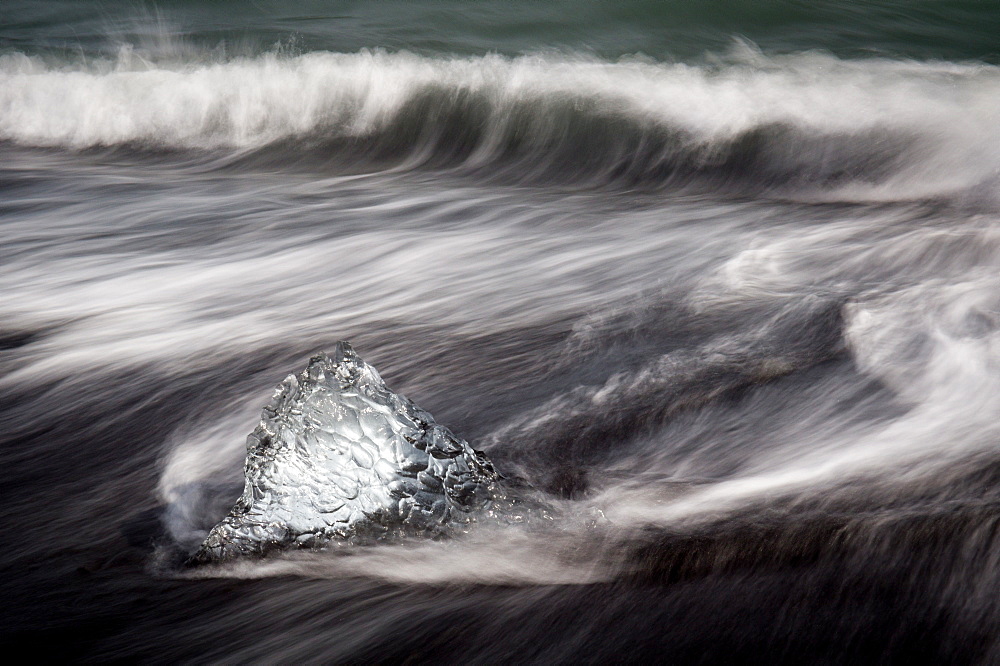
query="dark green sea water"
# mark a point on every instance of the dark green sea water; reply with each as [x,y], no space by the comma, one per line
[669,29]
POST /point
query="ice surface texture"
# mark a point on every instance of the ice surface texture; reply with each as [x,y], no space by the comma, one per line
[338,456]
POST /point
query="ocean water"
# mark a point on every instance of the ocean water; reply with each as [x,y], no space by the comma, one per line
[718,282]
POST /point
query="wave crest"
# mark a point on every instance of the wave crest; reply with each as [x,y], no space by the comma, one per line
[875,127]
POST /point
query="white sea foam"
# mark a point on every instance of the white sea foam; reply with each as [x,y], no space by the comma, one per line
[936,344]
[935,123]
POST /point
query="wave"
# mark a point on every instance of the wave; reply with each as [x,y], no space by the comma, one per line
[868,129]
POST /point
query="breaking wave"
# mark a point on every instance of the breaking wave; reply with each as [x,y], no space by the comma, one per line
[864,129]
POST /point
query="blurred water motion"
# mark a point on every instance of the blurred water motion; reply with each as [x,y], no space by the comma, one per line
[728,309]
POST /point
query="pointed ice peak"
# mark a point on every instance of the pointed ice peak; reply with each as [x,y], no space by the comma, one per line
[338,455]
[349,369]
[344,352]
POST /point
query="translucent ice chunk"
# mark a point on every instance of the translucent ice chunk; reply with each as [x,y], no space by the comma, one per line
[338,455]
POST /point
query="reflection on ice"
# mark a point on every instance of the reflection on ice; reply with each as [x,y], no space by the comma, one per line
[337,455]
